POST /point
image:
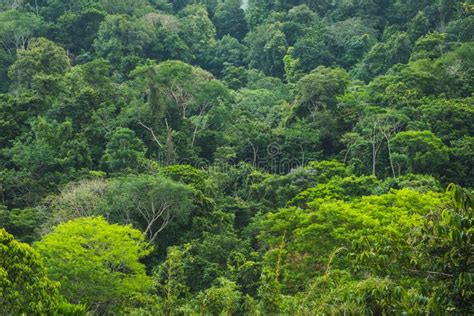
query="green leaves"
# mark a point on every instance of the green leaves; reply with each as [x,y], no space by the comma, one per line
[17,28]
[149,202]
[24,286]
[326,224]
[448,240]
[306,182]
[268,46]
[124,152]
[43,60]
[419,152]
[98,264]
[318,90]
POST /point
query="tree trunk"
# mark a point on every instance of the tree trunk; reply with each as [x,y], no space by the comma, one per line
[390,156]
[374,157]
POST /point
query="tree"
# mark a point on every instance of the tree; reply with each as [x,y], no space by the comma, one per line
[261,104]
[338,188]
[221,299]
[305,239]
[197,30]
[382,56]
[122,36]
[174,87]
[462,28]
[318,90]
[41,61]
[349,41]
[218,252]
[166,42]
[129,7]
[277,190]
[5,61]
[22,223]
[17,28]
[454,70]
[379,126]
[435,111]
[431,46]
[51,147]
[180,103]
[53,9]
[462,152]
[124,152]
[77,30]
[419,25]
[15,112]
[419,152]
[10,4]
[299,20]
[150,203]
[229,19]
[292,67]
[170,280]
[75,200]
[227,52]
[267,47]
[98,264]
[312,49]
[446,10]
[24,286]
[447,246]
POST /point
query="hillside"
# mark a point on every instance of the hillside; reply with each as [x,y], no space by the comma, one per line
[219,157]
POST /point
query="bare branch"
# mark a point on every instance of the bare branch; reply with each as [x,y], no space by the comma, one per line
[152,133]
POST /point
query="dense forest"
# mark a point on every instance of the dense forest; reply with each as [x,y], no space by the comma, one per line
[219,157]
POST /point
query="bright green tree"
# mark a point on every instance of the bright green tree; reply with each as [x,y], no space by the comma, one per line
[448,244]
[98,264]
[24,287]
[220,299]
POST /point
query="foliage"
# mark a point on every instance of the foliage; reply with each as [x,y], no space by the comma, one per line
[149,202]
[25,287]
[448,242]
[98,264]
[332,224]
[229,19]
[124,151]
[222,299]
[42,58]
[267,47]
[17,28]
[279,157]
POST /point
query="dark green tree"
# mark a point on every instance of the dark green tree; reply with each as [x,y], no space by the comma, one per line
[229,19]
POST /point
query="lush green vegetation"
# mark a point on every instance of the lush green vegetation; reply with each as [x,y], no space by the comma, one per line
[224,158]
